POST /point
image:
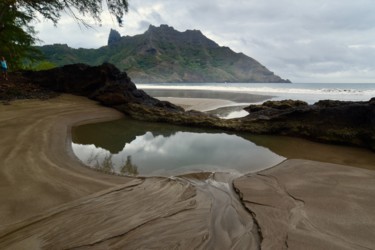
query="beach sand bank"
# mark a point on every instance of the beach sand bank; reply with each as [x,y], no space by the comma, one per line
[38,168]
[303,204]
[237,97]
[199,104]
[49,200]
[224,104]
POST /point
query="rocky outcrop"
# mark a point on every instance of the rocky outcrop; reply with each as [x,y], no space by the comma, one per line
[19,87]
[276,106]
[114,88]
[326,121]
[114,37]
[104,83]
[350,123]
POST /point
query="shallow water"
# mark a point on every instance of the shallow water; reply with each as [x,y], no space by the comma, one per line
[138,148]
[298,148]
[141,148]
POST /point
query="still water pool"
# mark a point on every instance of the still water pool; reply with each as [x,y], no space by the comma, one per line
[142,148]
[148,149]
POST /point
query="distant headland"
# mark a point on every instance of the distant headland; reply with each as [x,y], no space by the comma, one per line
[163,54]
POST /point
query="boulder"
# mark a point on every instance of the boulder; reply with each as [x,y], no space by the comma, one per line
[279,105]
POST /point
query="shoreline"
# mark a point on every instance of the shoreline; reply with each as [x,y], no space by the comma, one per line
[309,93]
[199,104]
[57,202]
[224,104]
[236,97]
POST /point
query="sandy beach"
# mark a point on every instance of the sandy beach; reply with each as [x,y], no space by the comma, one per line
[49,200]
[38,168]
[237,97]
[224,104]
[199,104]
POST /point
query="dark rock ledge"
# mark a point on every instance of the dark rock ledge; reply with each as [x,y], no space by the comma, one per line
[349,123]
[340,122]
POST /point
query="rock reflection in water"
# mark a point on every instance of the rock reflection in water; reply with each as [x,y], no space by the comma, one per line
[129,167]
[181,152]
[102,160]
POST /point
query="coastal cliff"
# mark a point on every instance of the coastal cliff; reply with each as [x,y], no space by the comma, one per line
[350,123]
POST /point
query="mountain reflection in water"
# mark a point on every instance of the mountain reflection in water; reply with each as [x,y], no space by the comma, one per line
[178,153]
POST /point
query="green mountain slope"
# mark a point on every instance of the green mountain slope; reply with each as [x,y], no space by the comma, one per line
[162,54]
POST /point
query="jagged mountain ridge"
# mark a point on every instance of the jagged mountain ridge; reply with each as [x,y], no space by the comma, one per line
[163,54]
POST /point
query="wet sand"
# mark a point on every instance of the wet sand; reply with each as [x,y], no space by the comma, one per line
[302,204]
[51,201]
[199,104]
[238,97]
[220,103]
[38,168]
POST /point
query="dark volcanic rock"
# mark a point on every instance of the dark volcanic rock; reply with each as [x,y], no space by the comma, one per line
[104,83]
[114,37]
[19,87]
[279,105]
[270,108]
[327,121]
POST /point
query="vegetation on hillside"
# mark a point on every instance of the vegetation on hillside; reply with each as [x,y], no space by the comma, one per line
[163,54]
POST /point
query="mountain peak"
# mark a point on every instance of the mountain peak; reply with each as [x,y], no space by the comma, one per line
[114,37]
[193,37]
[167,28]
[162,27]
[163,54]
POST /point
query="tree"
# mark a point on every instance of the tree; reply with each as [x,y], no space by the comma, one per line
[129,168]
[17,35]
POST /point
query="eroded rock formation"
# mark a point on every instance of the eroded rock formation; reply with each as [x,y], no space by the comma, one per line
[104,83]
[339,122]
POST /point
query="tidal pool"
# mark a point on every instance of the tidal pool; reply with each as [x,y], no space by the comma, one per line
[152,149]
[141,148]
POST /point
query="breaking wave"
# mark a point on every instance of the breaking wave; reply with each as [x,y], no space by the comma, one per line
[307,92]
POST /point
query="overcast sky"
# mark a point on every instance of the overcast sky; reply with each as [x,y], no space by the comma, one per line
[302,40]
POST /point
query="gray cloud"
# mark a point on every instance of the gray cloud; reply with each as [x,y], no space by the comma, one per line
[306,41]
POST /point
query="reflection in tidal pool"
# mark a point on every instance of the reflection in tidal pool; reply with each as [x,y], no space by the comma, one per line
[149,149]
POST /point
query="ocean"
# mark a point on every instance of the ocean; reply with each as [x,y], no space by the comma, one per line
[309,92]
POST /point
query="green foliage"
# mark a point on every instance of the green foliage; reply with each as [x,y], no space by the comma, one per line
[166,55]
[17,35]
[42,65]
[107,164]
[129,168]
